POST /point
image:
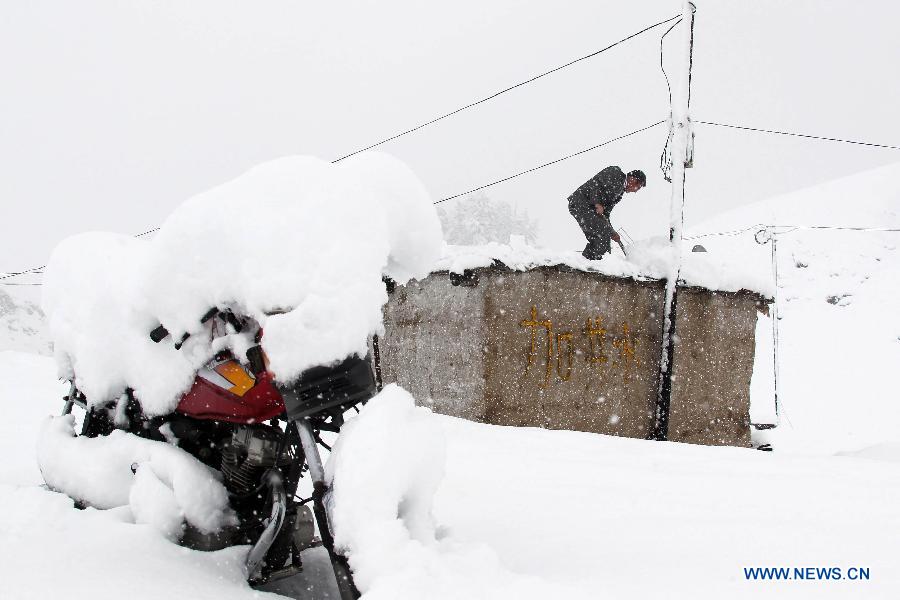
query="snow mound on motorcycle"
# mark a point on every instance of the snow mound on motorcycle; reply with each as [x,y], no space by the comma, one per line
[297,244]
[162,485]
[385,470]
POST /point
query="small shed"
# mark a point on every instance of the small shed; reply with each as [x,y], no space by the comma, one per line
[565,346]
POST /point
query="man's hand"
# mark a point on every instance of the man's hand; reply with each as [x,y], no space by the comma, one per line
[615,237]
[599,208]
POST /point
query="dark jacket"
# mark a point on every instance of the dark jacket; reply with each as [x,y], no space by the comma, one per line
[606,188]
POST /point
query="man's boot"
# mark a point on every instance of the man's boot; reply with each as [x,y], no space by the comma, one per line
[594,251]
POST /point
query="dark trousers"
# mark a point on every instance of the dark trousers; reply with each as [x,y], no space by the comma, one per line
[596,228]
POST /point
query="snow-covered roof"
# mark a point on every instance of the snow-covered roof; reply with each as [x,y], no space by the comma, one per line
[646,260]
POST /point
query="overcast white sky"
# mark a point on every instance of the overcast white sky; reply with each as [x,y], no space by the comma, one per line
[112,112]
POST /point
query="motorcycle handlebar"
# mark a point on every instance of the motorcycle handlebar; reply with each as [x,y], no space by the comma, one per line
[160,333]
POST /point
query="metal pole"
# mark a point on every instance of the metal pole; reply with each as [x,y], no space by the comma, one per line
[682,136]
[775,326]
[682,142]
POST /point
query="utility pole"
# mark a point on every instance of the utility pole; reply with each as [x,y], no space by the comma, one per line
[682,140]
[682,134]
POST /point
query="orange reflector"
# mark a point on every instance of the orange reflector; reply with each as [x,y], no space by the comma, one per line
[235,373]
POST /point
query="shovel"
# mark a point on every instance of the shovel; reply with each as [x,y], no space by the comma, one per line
[619,242]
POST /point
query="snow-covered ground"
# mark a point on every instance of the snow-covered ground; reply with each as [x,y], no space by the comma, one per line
[22,325]
[48,549]
[839,328]
[436,507]
[519,512]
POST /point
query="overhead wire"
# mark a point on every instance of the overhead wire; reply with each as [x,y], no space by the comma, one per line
[508,89]
[25,272]
[802,135]
[662,65]
[665,158]
[790,229]
[552,162]
[728,233]
[459,110]
[148,232]
[38,270]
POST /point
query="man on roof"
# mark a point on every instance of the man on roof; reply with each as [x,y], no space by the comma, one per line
[592,203]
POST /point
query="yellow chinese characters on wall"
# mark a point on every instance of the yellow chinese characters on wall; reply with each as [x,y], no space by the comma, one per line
[557,351]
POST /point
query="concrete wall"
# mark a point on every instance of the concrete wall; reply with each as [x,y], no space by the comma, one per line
[433,345]
[563,349]
[712,367]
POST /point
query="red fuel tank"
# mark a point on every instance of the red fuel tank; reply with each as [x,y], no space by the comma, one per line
[228,392]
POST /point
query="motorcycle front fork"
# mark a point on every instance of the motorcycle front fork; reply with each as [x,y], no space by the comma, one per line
[339,563]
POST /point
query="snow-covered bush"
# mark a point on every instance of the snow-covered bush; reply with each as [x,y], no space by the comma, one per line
[479,219]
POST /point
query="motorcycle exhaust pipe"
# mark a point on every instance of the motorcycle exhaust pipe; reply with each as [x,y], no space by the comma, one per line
[276,520]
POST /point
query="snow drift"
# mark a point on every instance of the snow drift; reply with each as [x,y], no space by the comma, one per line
[385,470]
[298,244]
[163,485]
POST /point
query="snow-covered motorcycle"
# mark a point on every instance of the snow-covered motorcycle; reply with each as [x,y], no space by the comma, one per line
[261,436]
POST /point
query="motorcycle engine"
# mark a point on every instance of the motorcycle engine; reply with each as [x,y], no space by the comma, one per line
[253,449]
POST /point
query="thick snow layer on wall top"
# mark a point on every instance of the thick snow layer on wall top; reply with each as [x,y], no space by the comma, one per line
[298,244]
[647,259]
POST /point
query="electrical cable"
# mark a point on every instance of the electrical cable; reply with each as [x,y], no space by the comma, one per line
[803,135]
[665,158]
[35,270]
[459,110]
[729,233]
[25,272]
[793,228]
[662,66]
[790,229]
[552,162]
[508,89]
